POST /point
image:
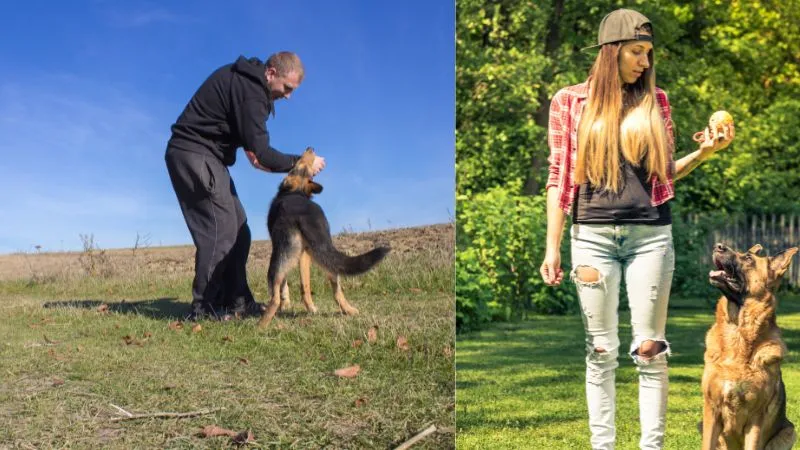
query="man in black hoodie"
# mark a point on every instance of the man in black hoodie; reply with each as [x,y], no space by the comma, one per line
[228,111]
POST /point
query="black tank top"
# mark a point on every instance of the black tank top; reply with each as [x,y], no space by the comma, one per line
[631,205]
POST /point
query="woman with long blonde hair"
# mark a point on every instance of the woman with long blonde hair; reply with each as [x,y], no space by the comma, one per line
[612,170]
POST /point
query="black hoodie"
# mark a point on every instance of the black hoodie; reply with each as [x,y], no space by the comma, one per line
[229,111]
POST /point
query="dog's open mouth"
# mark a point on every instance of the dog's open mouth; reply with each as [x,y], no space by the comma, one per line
[726,276]
[721,274]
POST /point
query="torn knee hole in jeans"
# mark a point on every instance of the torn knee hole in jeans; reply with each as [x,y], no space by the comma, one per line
[600,364]
[601,354]
[584,275]
[650,350]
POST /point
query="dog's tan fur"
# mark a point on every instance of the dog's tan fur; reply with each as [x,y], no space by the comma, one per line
[744,396]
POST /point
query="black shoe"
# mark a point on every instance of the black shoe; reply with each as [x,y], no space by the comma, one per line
[201,311]
[244,307]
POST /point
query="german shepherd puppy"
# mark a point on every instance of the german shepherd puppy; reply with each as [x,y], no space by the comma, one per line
[299,230]
[744,398]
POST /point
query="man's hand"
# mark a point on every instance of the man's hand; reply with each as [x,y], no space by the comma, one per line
[254,161]
[317,165]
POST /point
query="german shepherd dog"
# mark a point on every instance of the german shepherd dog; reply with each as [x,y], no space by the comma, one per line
[299,230]
[744,398]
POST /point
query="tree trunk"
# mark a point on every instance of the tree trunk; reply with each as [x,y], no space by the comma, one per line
[542,116]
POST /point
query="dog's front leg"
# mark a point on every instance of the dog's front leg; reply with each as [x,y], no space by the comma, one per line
[286,302]
[711,427]
[274,302]
[752,437]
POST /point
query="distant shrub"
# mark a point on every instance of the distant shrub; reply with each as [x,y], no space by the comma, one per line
[94,261]
[500,246]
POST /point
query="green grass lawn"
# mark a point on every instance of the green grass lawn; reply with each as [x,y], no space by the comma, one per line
[521,385]
[63,363]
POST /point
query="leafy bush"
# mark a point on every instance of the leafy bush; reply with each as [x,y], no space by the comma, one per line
[500,246]
[692,249]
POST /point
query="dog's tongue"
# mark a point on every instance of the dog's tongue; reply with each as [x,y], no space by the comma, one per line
[716,273]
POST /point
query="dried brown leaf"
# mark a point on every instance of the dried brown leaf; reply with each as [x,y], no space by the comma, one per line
[244,361]
[177,325]
[57,381]
[360,402]
[213,431]
[227,339]
[197,328]
[50,341]
[372,334]
[103,308]
[348,372]
[357,343]
[55,355]
[402,343]
[448,351]
[148,335]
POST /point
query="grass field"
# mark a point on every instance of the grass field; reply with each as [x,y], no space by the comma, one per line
[65,363]
[521,385]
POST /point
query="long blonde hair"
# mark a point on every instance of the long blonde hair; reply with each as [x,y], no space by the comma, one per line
[608,128]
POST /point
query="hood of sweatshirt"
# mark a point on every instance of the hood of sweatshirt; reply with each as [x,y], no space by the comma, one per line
[251,68]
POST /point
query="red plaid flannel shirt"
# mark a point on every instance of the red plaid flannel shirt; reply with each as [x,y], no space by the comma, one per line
[562,137]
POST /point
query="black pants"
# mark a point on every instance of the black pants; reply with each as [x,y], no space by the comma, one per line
[218,225]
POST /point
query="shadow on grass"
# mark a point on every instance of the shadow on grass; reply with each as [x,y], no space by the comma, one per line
[163,308]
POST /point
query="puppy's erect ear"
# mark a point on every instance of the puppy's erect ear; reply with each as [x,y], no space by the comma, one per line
[314,187]
[755,249]
[309,150]
[780,262]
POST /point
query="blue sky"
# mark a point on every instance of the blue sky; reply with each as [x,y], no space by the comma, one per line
[89,90]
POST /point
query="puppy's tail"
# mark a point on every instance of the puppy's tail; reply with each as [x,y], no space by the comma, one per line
[328,256]
[338,263]
[341,264]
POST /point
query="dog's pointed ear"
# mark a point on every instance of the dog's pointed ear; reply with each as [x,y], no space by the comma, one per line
[309,150]
[755,249]
[314,187]
[780,262]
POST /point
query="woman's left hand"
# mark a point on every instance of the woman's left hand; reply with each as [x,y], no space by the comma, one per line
[712,144]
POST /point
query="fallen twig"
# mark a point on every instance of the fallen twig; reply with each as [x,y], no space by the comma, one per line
[418,437]
[166,414]
[121,410]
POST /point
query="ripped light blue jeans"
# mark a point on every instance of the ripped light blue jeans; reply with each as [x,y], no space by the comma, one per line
[644,255]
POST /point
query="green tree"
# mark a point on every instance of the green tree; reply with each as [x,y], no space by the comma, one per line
[512,56]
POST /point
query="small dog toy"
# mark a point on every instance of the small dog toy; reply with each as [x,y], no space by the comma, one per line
[716,126]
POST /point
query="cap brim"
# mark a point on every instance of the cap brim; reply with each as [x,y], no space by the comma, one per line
[591,47]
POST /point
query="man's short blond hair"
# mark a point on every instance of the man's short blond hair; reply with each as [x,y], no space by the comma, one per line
[286,62]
